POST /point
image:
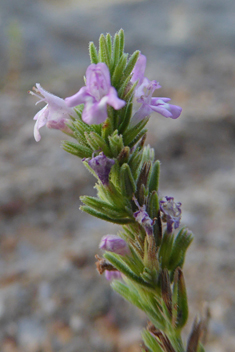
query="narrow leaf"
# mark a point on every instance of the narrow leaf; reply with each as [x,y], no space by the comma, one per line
[123,268]
[154,178]
[93,53]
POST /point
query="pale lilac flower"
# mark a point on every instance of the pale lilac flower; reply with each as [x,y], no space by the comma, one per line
[114,243]
[96,95]
[142,217]
[54,115]
[171,213]
[138,75]
[113,275]
[150,104]
[102,166]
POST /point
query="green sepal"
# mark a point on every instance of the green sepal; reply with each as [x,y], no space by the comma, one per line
[179,301]
[118,71]
[93,53]
[151,342]
[97,143]
[77,149]
[127,182]
[132,132]
[138,137]
[120,265]
[165,249]
[103,51]
[154,178]
[102,216]
[180,246]
[116,143]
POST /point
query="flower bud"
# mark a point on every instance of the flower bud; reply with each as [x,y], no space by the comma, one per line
[114,243]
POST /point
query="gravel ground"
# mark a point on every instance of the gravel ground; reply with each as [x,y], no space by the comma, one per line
[51,297]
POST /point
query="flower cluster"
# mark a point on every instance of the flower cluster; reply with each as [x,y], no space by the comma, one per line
[97,95]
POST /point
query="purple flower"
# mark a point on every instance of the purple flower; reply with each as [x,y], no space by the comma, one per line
[96,95]
[54,115]
[114,243]
[102,166]
[113,275]
[171,213]
[142,217]
[150,104]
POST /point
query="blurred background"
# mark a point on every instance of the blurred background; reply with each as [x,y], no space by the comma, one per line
[51,297]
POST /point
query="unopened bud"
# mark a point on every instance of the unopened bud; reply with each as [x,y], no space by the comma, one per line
[114,243]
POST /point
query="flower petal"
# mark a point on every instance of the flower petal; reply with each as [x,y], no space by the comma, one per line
[113,99]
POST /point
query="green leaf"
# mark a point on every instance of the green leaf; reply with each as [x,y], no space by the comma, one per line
[165,249]
[154,178]
[180,246]
[126,293]
[118,71]
[131,64]
[77,149]
[126,92]
[107,129]
[103,51]
[97,143]
[116,143]
[135,163]
[122,41]
[116,52]
[109,45]
[179,301]
[123,156]
[151,342]
[93,53]
[104,207]
[126,118]
[112,195]
[102,216]
[120,265]
[153,205]
[131,133]
[127,182]
[138,137]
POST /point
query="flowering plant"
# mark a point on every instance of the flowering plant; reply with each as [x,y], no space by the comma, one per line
[144,261]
